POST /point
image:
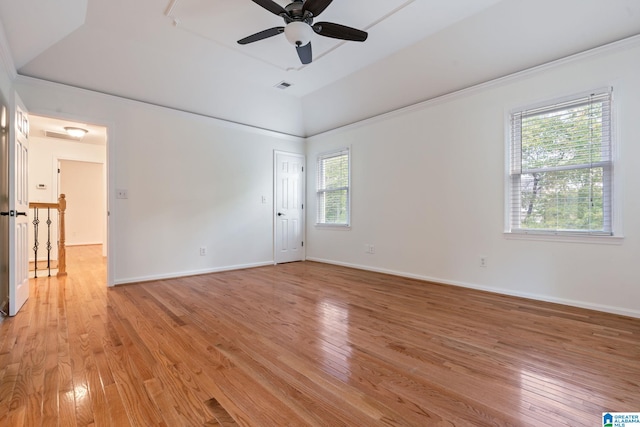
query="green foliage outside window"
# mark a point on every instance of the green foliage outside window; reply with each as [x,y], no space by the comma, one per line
[333,188]
[563,181]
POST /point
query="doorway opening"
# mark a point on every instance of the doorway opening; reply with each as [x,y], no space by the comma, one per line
[75,165]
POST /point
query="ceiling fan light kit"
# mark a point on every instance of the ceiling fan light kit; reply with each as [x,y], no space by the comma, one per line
[298,17]
[298,33]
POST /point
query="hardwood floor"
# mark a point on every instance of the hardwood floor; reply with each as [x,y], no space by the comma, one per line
[306,344]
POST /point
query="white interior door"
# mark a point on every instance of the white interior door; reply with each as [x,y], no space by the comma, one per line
[289,207]
[18,207]
[4,205]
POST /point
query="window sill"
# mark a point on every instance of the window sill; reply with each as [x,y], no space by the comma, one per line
[334,226]
[564,238]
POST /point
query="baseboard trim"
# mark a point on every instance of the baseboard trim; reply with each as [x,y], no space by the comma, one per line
[527,295]
[132,280]
[83,244]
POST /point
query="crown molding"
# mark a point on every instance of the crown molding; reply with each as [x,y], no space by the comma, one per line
[120,100]
[617,46]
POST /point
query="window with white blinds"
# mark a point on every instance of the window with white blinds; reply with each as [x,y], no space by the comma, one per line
[561,167]
[333,198]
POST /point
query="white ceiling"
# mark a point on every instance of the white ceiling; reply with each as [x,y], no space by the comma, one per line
[183,54]
[48,127]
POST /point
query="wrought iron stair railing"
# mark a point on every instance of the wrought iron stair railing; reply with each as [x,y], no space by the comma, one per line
[42,212]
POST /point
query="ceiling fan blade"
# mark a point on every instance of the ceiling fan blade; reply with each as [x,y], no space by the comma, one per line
[337,31]
[271,6]
[304,52]
[316,7]
[262,35]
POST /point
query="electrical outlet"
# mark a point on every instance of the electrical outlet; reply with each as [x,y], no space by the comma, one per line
[483,261]
[122,194]
[372,249]
[203,251]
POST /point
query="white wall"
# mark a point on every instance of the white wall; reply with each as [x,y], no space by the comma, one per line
[82,183]
[7,67]
[428,191]
[44,154]
[192,181]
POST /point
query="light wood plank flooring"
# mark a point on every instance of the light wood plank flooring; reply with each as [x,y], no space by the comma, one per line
[306,344]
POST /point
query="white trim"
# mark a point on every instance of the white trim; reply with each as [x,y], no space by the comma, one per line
[109,170]
[107,97]
[177,275]
[83,244]
[603,94]
[303,157]
[620,45]
[336,226]
[617,195]
[564,238]
[327,155]
[500,291]
[170,8]
[567,98]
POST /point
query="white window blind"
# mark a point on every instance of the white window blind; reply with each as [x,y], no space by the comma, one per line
[561,167]
[333,188]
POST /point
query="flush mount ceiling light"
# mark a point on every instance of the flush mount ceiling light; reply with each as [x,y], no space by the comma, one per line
[75,131]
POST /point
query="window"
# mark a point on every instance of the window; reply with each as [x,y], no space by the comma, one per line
[333,188]
[560,173]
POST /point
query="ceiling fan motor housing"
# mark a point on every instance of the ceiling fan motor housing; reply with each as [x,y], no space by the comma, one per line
[295,13]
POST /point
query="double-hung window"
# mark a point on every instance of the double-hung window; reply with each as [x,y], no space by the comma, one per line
[560,172]
[333,186]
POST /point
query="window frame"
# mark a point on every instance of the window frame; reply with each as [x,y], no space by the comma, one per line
[613,216]
[320,191]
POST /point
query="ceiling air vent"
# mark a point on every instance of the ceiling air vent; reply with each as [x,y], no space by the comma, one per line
[284,85]
[60,135]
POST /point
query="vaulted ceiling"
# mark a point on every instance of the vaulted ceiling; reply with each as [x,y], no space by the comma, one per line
[183,53]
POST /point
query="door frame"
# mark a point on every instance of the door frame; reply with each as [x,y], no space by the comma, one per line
[109,168]
[303,190]
[56,180]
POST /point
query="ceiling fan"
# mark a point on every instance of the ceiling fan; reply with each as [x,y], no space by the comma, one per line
[298,17]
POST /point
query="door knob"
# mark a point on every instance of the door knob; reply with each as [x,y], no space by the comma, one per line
[281,214]
[21,213]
